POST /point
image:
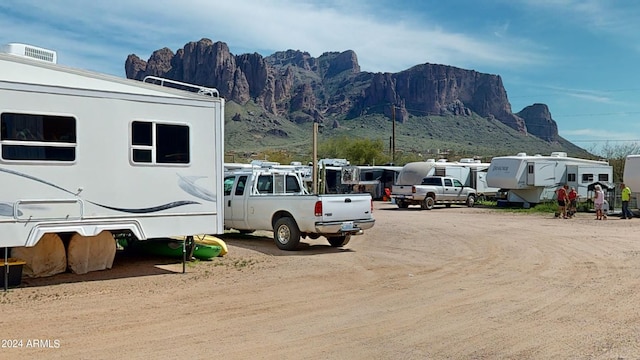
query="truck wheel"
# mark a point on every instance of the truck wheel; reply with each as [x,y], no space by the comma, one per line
[337,241]
[471,200]
[427,203]
[402,204]
[286,234]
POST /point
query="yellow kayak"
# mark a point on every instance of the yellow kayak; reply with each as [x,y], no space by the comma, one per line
[207,240]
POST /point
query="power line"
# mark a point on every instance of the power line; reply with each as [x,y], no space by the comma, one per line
[568,92]
[634,140]
[602,114]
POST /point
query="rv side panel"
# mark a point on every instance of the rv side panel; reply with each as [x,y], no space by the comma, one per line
[102,174]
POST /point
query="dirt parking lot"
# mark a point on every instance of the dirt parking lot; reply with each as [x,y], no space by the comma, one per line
[457,283]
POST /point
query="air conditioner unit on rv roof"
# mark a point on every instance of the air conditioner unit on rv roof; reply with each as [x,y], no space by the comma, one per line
[32,52]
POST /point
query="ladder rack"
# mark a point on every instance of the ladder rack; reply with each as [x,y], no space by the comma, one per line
[200,89]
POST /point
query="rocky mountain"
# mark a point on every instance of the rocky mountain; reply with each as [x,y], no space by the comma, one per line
[294,86]
[539,122]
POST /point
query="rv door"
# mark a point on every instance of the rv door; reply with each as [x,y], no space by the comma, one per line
[531,174]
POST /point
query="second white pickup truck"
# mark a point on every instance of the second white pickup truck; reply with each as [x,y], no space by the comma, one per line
[276,199]
[433,190]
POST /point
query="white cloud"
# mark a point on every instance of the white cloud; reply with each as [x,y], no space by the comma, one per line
[93,34]
[599,134]
[615,18]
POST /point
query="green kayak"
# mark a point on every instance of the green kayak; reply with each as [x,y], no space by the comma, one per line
[173,248]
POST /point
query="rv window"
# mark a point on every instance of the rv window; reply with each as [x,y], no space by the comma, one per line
[141,133]
[571,177]
[172,144]
[587,178]
[169,143]
[140,155]
[530,169]
[38,137]
[603,177]
[440,172]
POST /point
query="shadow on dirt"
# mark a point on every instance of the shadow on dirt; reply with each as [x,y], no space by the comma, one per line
[126,264]
[264,244]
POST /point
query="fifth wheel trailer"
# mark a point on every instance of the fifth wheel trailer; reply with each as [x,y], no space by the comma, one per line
[631,176]
[534,179]
[82,153]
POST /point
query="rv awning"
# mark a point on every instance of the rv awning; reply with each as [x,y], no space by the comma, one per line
[606,185]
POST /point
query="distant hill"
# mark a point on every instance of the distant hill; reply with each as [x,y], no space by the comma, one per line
[274,100]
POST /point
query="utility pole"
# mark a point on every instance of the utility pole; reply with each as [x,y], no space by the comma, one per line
[393,134]
[314,171]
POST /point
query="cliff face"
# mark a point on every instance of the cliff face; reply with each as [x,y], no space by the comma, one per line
[295,85]
[539,122]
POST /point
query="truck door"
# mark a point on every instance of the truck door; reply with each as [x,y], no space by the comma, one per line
[458,188]
[238,212]
[449,193]
[229,181]
[234,191]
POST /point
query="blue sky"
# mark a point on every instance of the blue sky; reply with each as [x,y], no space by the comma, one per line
[580,57]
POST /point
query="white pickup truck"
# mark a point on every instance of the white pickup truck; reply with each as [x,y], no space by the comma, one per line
[276,199]
[431,191]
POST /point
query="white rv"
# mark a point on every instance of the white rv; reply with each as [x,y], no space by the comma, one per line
[471,172]
[534,179]
[631,174]
[82,153]
[375,180]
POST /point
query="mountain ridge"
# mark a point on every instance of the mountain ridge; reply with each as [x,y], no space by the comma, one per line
[293,88]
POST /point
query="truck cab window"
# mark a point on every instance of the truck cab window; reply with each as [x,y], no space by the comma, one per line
[265,184]
[431,181]
[228,184]
[447,182]
[293,186]
[242,180]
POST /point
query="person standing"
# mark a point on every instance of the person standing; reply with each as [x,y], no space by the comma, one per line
[625,196]
[573,200]
[598,202]
[563,200]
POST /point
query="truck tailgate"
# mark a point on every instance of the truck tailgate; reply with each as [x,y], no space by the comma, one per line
[401,190]
[346,207]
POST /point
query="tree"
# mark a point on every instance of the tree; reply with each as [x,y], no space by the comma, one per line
[616,155]
[358,151]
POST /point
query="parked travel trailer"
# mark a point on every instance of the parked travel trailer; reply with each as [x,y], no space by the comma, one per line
[534,179]
[85,153]
[631,176]
[370,179]
[470,172]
